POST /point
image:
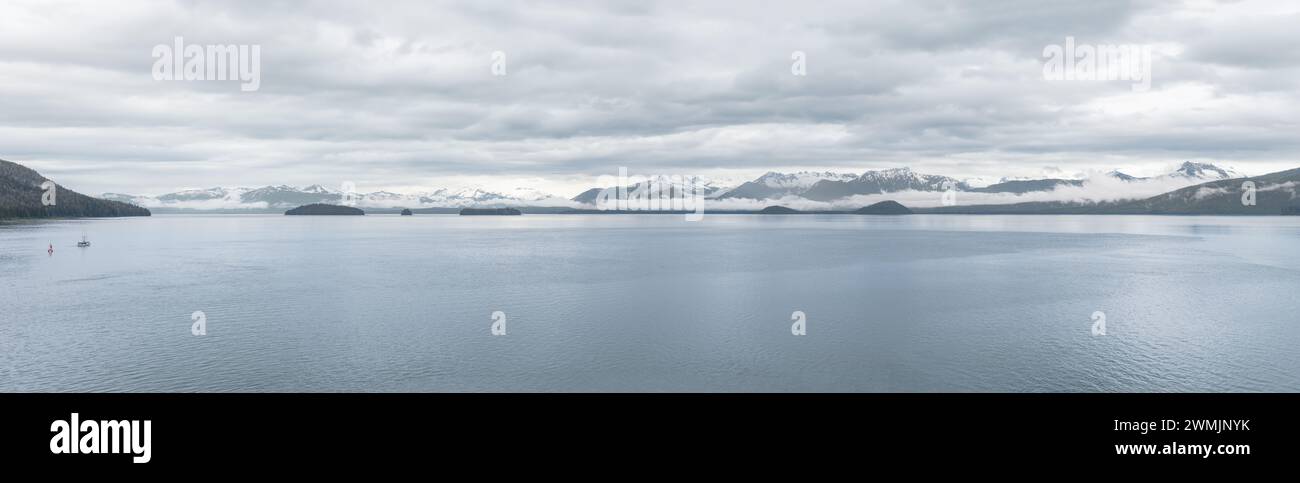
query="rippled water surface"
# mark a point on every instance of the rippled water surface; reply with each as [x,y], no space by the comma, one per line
[651,303]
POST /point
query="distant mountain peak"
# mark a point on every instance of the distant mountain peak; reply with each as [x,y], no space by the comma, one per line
[710,188]
[1206,171]
[913,180]
[799,179]
[1115,173]
[893,171]
[882,181]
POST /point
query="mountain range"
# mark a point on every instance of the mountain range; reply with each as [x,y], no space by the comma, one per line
[283,196]
[821,187]
[1192,188]
[681,188]
[775,185]
[1274,194]
[834,186]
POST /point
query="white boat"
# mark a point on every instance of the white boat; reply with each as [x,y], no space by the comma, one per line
[84,242]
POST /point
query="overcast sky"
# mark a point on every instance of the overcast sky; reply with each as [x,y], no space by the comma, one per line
[402,96]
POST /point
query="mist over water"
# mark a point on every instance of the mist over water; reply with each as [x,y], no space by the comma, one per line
[651,303]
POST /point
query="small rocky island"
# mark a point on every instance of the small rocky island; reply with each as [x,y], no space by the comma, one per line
[406,212]
[778,210]
[490,211]
[889,207]
[324,209]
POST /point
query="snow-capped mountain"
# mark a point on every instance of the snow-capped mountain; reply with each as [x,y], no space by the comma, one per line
[802,179]
[1204,172]
[211,198]
[480,197]
[711,188]
[288,196]
[882,181]
[773,185]
[203,194]
[1117,174]
[899,179]
[1190,171]
[284,197]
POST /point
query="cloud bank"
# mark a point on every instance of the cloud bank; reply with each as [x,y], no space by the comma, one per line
[403,95]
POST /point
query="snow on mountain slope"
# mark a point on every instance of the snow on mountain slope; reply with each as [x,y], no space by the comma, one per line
[284,196]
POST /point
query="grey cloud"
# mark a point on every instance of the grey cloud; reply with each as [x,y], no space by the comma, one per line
[404,90]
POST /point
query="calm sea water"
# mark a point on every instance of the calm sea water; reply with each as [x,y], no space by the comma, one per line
[651,303]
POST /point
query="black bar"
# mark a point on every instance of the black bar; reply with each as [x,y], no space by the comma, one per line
[396,430]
